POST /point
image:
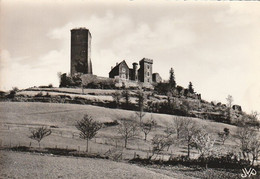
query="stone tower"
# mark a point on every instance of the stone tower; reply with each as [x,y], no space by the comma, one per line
[80,51]
[146,70]
[135,72]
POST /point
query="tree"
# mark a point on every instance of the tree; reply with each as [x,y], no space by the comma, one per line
[172,82]
[204,143]
[128,130]
[249,143]
[229,101]
[116,97]
[147,126]
[126,96]
[190,129]
[224,135]
[140,114]
[229,106]
[178,124]
[190,88]
[39,133]
[88,128]
[141,100]
[159,143]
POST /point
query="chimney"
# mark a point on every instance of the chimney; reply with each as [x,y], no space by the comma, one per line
[111,67]
[116,63]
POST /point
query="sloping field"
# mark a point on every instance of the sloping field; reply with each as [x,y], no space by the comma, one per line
[16,119]
[34,166]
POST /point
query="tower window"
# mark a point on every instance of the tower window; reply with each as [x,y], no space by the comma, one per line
[148,74]
[148,66]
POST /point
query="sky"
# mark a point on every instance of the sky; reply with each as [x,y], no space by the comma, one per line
[215,45]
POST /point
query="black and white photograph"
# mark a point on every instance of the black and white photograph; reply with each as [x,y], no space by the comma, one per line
[129,89]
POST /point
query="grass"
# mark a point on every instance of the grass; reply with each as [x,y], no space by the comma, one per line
[25,165]
[16,119]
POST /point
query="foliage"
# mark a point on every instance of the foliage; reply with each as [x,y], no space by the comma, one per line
[113,123]
[116,97]
[162,88]
[189,131]
[126,96]
[40,94]
[39,133]
[172,82]
[128,130]
[88,128]
[141,100]
[190,88]
[13,92]
[229,101]
[249,143]
[224,135]
[204,143]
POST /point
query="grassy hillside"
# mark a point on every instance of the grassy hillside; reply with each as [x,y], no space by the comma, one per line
[17,118]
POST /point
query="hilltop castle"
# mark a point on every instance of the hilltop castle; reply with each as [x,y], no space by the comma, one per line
[81,63]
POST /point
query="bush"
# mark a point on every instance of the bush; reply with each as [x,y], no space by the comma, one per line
[109,124]
[40,94]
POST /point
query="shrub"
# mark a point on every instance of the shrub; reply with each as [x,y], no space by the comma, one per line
[40,94]
[109,124]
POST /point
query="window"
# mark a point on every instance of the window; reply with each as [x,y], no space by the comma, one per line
[148,74]
[148,66]
[123,70]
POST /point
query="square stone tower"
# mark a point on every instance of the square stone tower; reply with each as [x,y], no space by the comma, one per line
[80,51]
[146,70]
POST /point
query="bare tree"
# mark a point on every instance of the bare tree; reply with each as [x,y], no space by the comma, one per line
[255,148]
[88,128]
[249,143]
[39,133]
[128,130]
[190,129]
[229,101]
[140,114]
[161,142]
[147,126]
[178,124]
[204,143]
